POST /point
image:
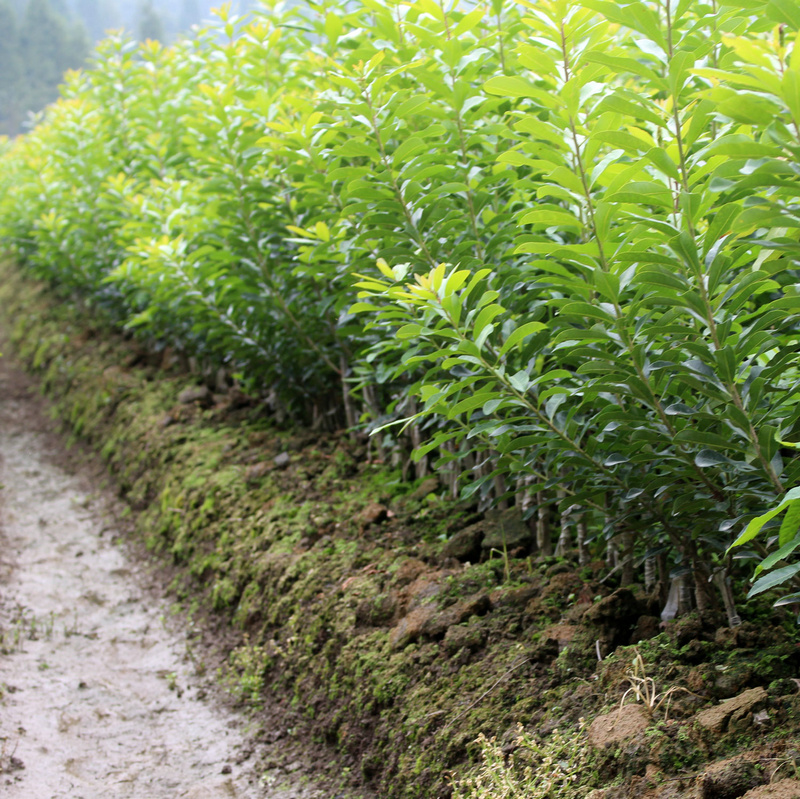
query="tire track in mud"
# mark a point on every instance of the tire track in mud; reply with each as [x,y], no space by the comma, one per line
[94,690]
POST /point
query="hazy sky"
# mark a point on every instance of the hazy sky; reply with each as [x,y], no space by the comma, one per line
[127,12]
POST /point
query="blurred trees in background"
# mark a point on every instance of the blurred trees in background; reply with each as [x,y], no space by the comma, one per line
[42,39]
[38,45]
[150,25]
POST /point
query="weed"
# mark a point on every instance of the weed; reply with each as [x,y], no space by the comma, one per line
[198,664]
[8,761]
[534,771]
[70,631]
[25,625]
[504,555]
[789,765]
[644,688]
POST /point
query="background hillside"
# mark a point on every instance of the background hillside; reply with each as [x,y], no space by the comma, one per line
[42,39]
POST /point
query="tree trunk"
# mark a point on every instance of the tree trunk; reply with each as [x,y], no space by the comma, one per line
[650,574]
[628,571]
[349,411]
[583,549]
[543,540]
[564,536]
[723,581]
[499,484]
[684,595]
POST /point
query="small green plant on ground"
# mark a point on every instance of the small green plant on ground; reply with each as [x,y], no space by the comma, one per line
[534,771]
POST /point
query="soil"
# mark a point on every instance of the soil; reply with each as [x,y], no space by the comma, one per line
[784,789]
[366,628]
[100,692]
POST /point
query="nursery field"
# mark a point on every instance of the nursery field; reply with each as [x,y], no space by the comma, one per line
[442,350]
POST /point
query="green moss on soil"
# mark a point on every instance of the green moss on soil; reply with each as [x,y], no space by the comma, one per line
[316,588]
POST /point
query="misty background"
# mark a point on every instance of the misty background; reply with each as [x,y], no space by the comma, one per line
[42,39]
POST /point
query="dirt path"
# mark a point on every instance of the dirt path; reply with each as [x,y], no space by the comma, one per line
[95,696]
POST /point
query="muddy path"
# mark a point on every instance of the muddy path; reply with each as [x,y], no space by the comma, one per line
[99,694]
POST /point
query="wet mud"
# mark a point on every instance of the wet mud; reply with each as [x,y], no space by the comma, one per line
[98,696]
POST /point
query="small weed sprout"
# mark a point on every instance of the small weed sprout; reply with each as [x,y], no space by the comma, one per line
[644,689]
[8,762]
[504,555]
[73,630]
[534,771]
[198,664]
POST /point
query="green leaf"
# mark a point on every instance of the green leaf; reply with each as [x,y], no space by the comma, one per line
[408,149]
[739,146]
[664,163]
[645,192]
[634,109]
[411,330]
[679,70]
[472,402]
[621,64]
[658,276]
[626,141]
[520,380]
[786,549]
[634,15]
[536,59]
[586,311]
[722,224]
[357,149]
[520,333]
[362,307]
[790,88]
[790,524]
[510,86]
[468,22]
[785,11]
[708,458]
[541,130]
[679,409]
[789,599]
[550,217]
[774,579]
[487,315]
[756,525]
[411,106]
